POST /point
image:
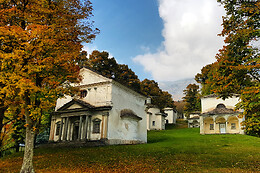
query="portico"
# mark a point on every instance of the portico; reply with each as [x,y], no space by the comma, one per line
[220,117]
[78,125]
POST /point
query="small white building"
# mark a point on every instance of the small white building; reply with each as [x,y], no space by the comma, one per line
[194,120]
[218,116]
[171,115]
[105,110]
[155,119]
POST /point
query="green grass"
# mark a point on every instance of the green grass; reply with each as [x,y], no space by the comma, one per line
[173,150]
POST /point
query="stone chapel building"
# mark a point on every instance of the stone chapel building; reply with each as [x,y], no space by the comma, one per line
[105,110]
[155,118]
[219,117]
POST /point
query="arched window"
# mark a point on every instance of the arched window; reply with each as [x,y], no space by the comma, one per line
[221,105]
[83,93]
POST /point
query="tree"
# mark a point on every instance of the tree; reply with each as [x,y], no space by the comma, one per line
[100,62]
[160,98]
[40,44]
[206,77]
[191,99]
[237,69]
[239,62]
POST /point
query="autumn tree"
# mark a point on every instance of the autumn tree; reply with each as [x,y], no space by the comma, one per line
[40,43]
[160,98]
[191,99]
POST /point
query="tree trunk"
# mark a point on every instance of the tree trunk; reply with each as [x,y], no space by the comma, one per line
[27,166]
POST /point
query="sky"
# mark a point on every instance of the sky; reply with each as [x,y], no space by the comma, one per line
[163,40]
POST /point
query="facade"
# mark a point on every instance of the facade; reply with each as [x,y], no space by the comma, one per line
[105,110]
[155,119]
[219,117]
[171,116]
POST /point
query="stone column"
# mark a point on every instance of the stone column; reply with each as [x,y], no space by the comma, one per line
[52,130]
[80,127]
[102,127]
[66,129]
[202,131]
[89,129]
[215,125]
[69,137]
[61,127]
[86,128]
[226,126]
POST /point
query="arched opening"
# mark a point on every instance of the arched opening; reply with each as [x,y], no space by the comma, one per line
[221,122]
[208,125]
[83,93]
[233,124]
[221,105]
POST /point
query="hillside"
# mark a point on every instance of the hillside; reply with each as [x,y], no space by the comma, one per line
[175,88]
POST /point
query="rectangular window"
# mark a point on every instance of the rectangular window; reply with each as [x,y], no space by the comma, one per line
[96,126]
[211,127]
[153,123]
[233,125]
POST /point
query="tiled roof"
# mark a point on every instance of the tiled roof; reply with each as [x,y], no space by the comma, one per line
[220,111]
[127,113]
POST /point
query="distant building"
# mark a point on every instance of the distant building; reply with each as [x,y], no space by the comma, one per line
[155,119]
[171,115]
[194,120]
[105,110]
[219,117]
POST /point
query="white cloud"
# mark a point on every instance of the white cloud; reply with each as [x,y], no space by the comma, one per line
[191,41]
[90,48]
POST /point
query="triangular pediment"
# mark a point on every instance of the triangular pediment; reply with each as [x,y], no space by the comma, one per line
[75,104]
[89,77]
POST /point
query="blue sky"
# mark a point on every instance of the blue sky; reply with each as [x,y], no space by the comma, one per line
[165,40]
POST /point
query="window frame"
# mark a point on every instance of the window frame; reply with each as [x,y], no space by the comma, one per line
[233,126]
[58,126]
[96,126]
[211,126]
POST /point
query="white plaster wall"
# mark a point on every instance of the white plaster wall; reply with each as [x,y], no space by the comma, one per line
[98,87]
[90,77]
[123,98]
[98,95]
[172,115]
[61,101]
[156,118]
[210,103]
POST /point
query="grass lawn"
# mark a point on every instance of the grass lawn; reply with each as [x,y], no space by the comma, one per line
[173,150]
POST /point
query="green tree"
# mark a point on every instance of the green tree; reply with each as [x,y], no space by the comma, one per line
[239,61]
[102,63]
[237,69]
[191,99]
[40,43]
[206,77]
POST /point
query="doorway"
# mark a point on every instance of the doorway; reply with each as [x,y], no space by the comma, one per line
[222,128]
[75,131]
